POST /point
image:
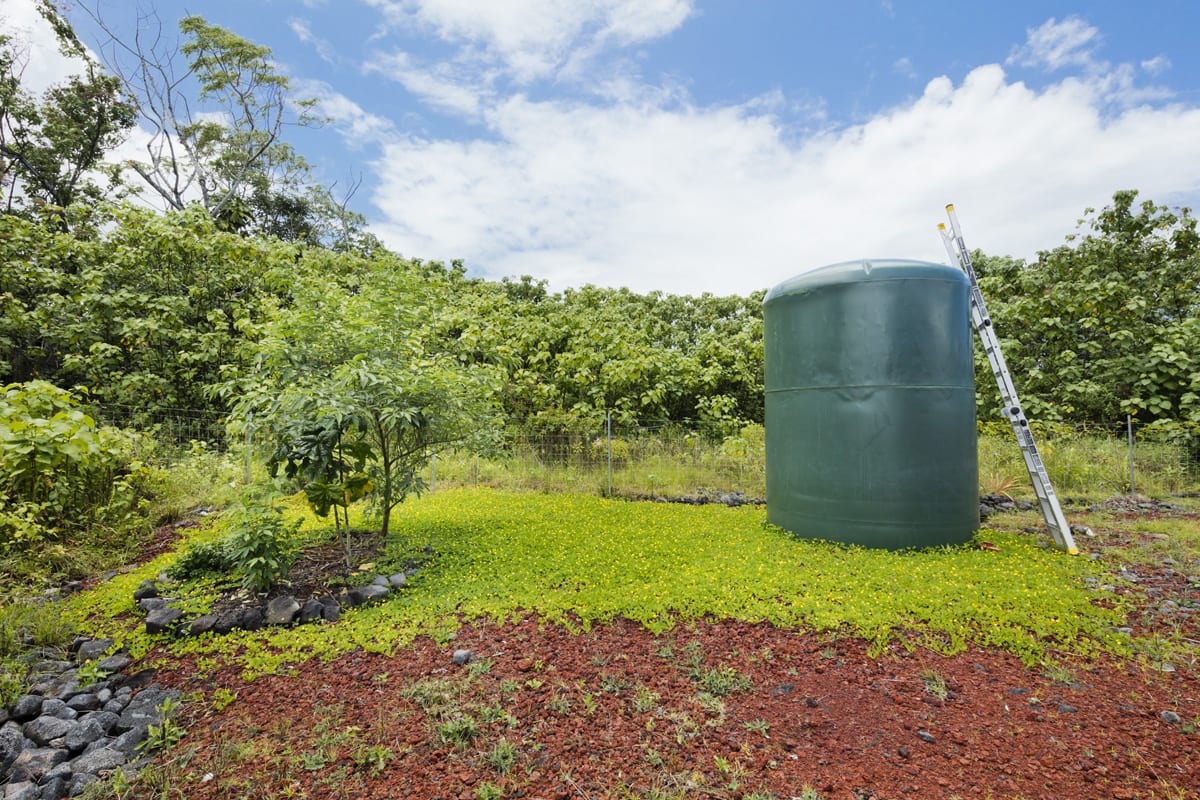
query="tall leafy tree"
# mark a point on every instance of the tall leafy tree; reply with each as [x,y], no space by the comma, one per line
[52,147]
[1107,324]
[147,313]
[217,109]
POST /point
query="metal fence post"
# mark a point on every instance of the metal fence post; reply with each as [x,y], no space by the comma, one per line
[249,443]
[608,435]
[1129,428]
[432,472]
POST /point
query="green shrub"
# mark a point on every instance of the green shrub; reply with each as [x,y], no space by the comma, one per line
[59,471]
[203,558]
[258,545]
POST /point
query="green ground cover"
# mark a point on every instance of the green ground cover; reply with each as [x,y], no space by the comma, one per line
[580,560]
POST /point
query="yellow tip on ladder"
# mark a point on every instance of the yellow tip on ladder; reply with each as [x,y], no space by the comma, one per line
[949,208]
[1073,551]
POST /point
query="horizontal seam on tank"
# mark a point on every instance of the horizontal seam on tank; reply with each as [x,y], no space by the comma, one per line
[876,386]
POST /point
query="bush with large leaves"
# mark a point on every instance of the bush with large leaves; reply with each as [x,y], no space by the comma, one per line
[60,473]
[1105,325]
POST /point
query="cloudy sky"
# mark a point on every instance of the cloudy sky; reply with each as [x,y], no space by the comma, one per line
[724,145]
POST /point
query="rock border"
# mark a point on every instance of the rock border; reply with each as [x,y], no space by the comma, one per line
[81,720]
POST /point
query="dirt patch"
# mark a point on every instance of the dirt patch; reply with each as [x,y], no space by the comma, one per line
[619,712]
[320,566]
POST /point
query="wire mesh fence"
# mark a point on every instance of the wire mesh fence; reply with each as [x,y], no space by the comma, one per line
[705,460]
[1122,458]
[678,459]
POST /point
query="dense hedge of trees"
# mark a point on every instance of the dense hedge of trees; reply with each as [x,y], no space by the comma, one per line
[1106,324]
[263,275]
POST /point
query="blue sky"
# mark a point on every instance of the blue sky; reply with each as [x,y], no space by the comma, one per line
[693,145]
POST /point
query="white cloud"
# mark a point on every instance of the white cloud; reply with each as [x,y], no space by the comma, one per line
[325,51]
[45,65]
[357,126]
[1157,65]
[904,66]
[534,39]
[443,86]
[720,199]
[1055,45]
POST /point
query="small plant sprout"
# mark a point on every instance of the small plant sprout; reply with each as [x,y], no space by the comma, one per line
[935,684]
[458,732]
[1059,673]
[221,698]
[488,791]
[167,733]
[502,756]
[480,666]
[721,681]
[758,726]
[373,759]
[644,700]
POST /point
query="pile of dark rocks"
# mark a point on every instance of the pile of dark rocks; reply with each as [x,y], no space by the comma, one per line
[248,612]
[1137,504]
[76,726]
[732,499]
[991,504]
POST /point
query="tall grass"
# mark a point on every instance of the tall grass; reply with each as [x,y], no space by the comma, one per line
[1088,463]
[658,462]
[679,463]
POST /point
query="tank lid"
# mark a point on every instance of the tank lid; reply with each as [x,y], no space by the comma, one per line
[864,269]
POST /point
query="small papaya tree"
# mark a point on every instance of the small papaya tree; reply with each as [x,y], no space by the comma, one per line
[354,391]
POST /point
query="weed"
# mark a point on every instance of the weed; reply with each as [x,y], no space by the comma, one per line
[488,791]
[758,726]
[534,683]
[693,656]
[221,698]
[459,731]
[492,713]
[645,699]
[1058,673]
[167,733]
[90,673]
[314,760]
[613,683]
[711,704]
[373,759]
[508,687]
[479,667]
[560,704]
[436,696]
[502,756]
[589,703]
[722,681]
[935,684]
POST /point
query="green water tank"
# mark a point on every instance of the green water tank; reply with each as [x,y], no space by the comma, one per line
[870,405]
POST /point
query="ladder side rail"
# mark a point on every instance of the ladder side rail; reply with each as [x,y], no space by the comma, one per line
[1047,500]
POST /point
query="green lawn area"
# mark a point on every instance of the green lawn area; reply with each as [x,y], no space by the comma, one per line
[579,560]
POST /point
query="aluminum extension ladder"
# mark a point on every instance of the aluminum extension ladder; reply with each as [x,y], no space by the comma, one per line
[1051,510]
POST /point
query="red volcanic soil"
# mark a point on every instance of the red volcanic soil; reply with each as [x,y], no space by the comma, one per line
[618,712]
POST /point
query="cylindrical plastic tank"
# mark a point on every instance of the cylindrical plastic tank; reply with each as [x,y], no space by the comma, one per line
[870,405]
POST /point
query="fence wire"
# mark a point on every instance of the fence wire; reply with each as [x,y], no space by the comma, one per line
[705,460]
